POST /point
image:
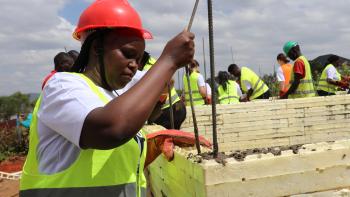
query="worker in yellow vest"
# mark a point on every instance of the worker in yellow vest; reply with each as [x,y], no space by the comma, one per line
[86,136]
[229,91]
[178,106]
[301,84]
[251,84]
[331,79]
[283,73]
[198,87]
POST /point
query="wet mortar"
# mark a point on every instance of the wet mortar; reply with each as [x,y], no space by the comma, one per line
[240,155]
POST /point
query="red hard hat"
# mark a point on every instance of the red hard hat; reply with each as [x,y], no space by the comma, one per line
[110,14]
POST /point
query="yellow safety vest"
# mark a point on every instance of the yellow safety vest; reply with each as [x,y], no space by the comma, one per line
[174,97]
[258,85]
[323,84]
[197,97]
[230,95]
[95,173]
[306,86]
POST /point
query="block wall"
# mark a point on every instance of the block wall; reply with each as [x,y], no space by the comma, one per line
[275,122]
[320,169]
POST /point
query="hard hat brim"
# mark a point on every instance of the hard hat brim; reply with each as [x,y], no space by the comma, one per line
[77,33]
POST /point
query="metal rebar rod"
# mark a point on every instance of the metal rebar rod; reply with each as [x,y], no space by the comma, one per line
[204,61]
[194,119]
[212,76]
[171,111]
[189,26]
[232,55]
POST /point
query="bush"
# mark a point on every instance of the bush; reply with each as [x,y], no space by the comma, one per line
[12,144]
[271,81]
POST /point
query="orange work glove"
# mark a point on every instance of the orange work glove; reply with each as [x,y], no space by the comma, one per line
[346,78]
[343,84]
[165,141]
[163,98]
[208,100]
[281,93]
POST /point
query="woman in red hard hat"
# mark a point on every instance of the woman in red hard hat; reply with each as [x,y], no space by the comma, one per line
[85,137]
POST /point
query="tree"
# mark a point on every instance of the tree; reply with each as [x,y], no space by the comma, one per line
[15,104]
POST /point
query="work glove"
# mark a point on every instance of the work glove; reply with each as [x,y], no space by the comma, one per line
[163,97]
[346,78]
[165,141]
[284,96]
[208,100]
[343,84]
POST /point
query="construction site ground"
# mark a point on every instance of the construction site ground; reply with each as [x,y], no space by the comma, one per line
[10,188]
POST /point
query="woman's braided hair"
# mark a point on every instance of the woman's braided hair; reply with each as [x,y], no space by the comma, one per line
[83,58]
[223,77]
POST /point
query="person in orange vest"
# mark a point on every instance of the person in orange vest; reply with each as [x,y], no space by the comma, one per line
[283,73]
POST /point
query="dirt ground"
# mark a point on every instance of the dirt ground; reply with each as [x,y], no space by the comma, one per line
[9,188]
[12,164]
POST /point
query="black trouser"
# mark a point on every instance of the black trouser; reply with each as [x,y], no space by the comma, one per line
[179,110]
[324,93]
[266,95]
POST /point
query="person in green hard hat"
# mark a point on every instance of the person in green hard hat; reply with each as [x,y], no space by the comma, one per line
[301,78]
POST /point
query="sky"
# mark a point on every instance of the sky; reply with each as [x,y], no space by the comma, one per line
[33,31]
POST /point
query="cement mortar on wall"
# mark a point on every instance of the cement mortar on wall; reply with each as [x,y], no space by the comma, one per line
[316,168]
[278,122]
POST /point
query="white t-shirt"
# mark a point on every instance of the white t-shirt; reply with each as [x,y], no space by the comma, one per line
[239,91]
[200,81]
[247,84]
[208,88]
[66,101]
[280,74]
[332,73]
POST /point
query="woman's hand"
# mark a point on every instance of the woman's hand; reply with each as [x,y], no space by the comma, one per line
[180,50]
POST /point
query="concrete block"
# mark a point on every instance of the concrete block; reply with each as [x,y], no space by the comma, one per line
[313,171]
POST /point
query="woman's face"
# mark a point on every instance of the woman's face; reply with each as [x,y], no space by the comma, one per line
[122,55]
[280,62]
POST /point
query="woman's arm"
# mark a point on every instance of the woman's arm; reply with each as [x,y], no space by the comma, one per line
[120,120]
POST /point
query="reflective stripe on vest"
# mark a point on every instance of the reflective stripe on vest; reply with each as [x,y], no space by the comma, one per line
[323,84]
[93,173]
[229,95]
[196,96]
[174,97]
[306,86]
[124,190]
[259,87]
